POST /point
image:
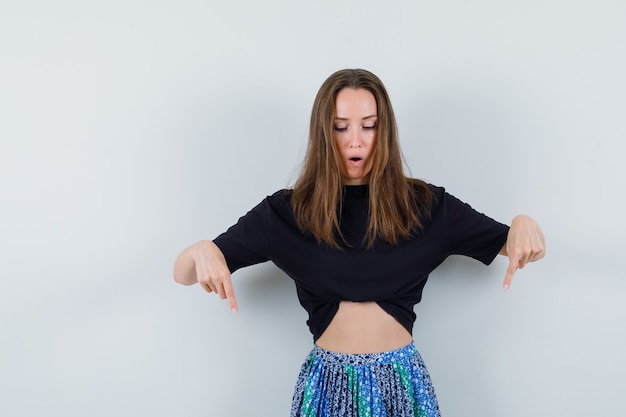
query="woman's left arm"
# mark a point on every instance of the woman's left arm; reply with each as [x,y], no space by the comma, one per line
[524,243]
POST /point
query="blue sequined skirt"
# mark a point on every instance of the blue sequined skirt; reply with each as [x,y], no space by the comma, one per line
[387,384]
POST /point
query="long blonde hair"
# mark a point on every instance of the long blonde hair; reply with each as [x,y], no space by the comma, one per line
[397,204]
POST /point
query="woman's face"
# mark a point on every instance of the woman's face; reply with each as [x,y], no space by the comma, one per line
[355,133]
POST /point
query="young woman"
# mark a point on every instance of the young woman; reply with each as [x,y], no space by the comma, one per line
[359,239]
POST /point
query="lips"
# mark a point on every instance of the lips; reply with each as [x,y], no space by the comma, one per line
[355,160]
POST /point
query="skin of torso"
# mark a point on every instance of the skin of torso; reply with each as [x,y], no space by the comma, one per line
[363,327]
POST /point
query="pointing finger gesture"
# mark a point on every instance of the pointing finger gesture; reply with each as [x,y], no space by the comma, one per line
[525,243]
[212,272]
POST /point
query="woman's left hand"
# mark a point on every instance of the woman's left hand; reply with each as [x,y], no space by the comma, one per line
[525,243]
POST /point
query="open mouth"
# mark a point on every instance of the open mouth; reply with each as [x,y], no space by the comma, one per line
[355,161]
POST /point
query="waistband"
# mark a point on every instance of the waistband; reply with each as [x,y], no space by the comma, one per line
[402,354]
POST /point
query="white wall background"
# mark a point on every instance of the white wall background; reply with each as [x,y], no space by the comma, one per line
[131,129]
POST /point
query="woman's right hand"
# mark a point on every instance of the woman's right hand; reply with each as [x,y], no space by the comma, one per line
[203,262]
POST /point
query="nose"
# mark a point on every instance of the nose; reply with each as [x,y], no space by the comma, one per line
[355,138]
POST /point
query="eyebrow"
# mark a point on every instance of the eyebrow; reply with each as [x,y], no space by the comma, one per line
[365,118]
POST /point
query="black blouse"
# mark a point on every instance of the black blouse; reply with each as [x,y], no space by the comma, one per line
[393,276]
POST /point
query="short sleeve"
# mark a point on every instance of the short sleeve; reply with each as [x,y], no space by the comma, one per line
[246,242]
[472,233]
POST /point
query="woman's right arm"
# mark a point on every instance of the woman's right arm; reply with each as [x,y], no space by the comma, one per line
[204,263]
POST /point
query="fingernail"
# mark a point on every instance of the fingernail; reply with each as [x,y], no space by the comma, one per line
[234,310]
[506,287]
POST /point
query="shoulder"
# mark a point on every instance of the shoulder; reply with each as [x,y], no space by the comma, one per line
[442,199]
[275,205]
[424,192]
[435,200]
[437,191]
[419,184]
[280,198]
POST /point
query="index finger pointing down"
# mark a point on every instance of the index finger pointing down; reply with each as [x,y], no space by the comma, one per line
[510,271]
[230,296]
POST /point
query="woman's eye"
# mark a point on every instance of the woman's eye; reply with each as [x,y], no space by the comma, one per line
[369,127]
[340,128]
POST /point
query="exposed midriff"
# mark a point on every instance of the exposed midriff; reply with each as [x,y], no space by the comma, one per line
[363,327]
